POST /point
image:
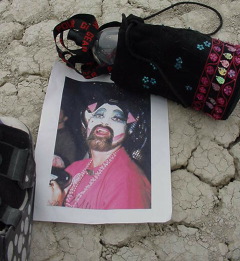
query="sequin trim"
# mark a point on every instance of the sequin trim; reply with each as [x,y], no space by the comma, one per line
[218,80]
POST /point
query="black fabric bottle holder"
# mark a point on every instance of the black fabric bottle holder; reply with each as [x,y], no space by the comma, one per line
[183,65]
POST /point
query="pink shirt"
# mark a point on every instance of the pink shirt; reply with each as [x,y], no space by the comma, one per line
[121,185]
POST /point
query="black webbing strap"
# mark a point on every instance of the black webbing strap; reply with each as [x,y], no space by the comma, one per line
[13,162]
[85,27]
[82,29]
[16,156]
[9,216]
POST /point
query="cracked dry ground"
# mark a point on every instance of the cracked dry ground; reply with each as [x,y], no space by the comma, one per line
[205,154]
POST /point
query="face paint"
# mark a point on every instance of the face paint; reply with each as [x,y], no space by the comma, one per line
[108,121]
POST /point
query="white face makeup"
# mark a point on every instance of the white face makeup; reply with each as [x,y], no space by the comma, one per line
[108,116]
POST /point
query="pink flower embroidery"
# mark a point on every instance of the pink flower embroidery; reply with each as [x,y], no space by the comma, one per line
[238,51]
[232,74]
[217,49]
[204,81]
[227,90]
[202,90]
[210,70]
[218,109]
[221,101]
[237,60]
[213,57]
[200,96]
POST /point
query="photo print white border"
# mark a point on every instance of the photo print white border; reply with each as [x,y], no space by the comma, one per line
[161,196]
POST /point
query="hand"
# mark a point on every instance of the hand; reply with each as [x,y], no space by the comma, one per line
[57,195]
[58,162]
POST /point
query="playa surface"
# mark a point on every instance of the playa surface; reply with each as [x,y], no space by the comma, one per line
[205,154]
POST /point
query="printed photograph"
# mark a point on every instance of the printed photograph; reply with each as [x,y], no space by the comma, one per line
[102,153]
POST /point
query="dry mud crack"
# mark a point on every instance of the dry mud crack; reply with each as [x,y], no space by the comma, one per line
[205,159]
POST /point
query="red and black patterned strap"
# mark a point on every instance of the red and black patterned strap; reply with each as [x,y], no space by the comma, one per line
[82,29]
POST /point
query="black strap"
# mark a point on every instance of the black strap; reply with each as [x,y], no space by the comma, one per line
[16,156]
[13,162]
[191,3]
[9,216]
[85,25]
[82,29]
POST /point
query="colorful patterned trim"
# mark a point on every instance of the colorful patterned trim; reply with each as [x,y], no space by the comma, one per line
[218,80]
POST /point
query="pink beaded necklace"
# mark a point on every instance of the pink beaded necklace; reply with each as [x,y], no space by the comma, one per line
[79,176]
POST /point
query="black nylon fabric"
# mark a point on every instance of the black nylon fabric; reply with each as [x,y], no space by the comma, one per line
[160,46]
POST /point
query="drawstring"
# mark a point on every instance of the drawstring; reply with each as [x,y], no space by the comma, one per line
[191,3]
[164,77]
